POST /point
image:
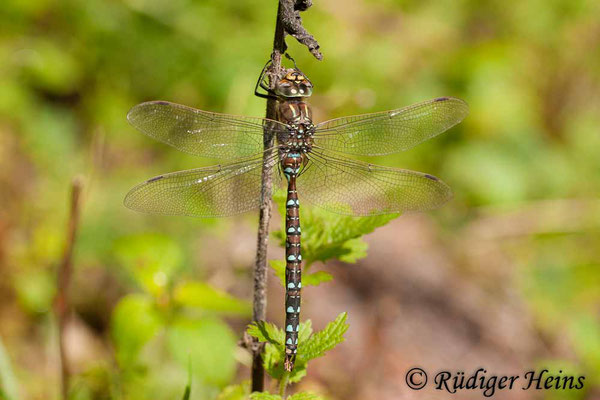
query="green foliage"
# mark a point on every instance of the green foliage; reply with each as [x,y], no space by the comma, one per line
[316,278]
[185,312]
[266,332]
[235,392]
[153,260]
[326,235]
[296,396]
[36,290]
[585,332]
[209,342]
[205,297]
[8,382]
[308,279]
[264,396]
[135,321]
[187,393]
[310,346]
[324,340]
[562,284]
[188,387]
[304,396]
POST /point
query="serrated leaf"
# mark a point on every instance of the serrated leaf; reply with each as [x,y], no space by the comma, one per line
[324,340]
[235,392]
[305,396]
[152,260]
[356,249]
[209,342]
[305,330]
[316,278]
[298,373]
[273,363]
[327,235]
[274,352]
[205,297]
[278,267]
[266,332]
[264,396]
[273,360]
[134,322]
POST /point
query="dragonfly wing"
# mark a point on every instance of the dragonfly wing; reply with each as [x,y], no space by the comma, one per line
[200,132]
[357,188]
[215,191]
[390,131]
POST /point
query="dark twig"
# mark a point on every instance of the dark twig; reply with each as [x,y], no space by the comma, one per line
[288,19]
[65,271]
[292,24]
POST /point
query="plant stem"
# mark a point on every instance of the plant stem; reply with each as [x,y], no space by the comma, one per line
[283,383]
[64,278]
[288,20]
[260,267]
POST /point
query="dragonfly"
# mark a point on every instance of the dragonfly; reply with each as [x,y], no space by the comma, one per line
[312,157]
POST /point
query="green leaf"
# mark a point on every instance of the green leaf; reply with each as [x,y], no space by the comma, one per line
[299,372]
[266,332]
[314,345]
[152,260]
[324,340]
[235,392]
[274,352]
[134,322]
[264,396]
[8,382]
[273,360]
[278,267]
[188,387]
[36,289]
[585,330]
[326,235]
[304,396]
[205,297]
[187,392]
[305,330]
[314,279]
[355,250]
[209,342]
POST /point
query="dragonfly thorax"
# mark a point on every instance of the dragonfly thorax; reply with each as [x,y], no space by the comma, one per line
[298,139]
[300,130]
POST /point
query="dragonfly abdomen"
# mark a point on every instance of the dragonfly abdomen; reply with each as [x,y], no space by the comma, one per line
[291,163]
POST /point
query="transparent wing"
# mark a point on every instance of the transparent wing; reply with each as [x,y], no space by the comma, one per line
[352,187]
[215,191]
[200,132]
[390,131]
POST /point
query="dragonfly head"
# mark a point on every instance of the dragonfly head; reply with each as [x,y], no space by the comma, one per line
[294,84]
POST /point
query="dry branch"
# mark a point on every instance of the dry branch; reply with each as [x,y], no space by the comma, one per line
[288,21]
[65,271]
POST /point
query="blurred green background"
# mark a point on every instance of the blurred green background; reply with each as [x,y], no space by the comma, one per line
[505,276]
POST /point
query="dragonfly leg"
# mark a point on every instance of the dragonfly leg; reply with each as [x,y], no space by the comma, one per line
[260,83]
